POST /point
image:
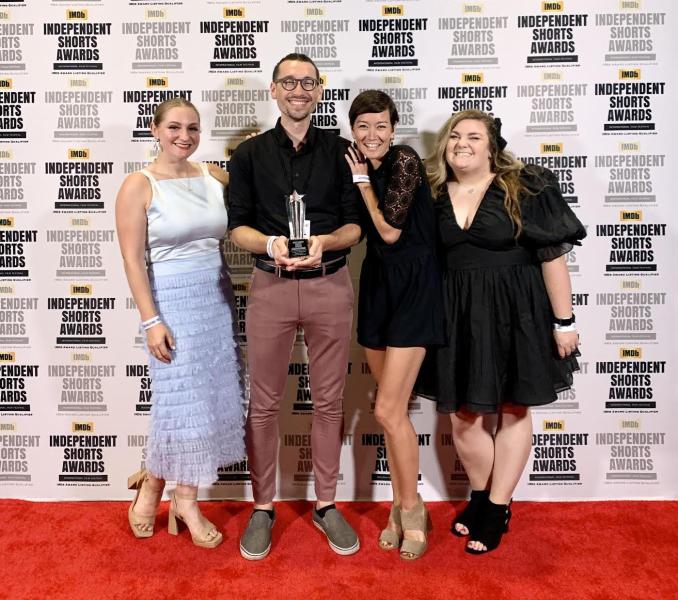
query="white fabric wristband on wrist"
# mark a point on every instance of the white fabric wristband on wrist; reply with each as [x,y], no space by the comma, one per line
[564,328]
[146,325]
[269,245]
[360,178]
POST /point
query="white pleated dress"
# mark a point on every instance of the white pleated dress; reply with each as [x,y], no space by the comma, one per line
[197,415]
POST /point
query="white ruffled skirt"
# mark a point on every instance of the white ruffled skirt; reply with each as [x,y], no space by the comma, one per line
[197,414]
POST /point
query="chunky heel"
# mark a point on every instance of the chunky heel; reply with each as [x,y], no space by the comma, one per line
[495,523]
[415,519]
[209,537]
[472,514]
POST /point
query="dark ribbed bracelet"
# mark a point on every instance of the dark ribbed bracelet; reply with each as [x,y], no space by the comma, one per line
[564,322]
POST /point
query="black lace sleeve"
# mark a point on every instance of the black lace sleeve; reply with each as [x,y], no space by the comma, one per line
[404,179]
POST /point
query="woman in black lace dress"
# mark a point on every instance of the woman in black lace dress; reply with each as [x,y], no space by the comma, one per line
[400,304]
[504,230]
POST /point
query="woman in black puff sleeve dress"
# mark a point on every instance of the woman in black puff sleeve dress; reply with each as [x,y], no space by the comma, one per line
[504,230]
[400,305]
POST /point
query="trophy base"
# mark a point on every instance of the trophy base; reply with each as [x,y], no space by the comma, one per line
[297,248]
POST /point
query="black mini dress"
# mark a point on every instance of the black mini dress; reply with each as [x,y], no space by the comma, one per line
[400,301]
[498,316]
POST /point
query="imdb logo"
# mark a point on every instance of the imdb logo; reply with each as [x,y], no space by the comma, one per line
[629,4]
[630,353]
[472,8]
[78,154]
[552,76]
[7,222]
[472,78]
[6,154]
[552,6]
[4,15]
[157,82]
[235,81]
[6,83]
[629,73]
[630,284]
[81,289]
[81,357]
[8,427]
[392,10]
[7,289]
[82,427]
[7,356]
[79,14]
[323,80]
[234,12]
[551,148]
[80,222]
[156,13]
[315,12]
[553,425]
[629,424]
[393,80]
[78,83]
[629,147]
[631,215]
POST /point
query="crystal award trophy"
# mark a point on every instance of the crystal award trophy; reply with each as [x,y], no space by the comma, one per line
[297,243]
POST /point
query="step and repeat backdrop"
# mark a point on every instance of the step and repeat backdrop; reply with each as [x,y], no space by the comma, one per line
[583,88]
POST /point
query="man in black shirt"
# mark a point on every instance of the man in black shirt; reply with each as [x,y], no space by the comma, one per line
[313,291]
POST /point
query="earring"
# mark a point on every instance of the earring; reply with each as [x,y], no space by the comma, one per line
[156,147]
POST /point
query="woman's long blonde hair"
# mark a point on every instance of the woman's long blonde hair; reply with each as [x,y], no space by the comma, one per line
[505,166]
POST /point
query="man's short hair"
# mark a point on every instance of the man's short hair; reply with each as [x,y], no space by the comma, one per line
[295,56]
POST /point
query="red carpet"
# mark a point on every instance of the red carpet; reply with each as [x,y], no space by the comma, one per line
[596,551]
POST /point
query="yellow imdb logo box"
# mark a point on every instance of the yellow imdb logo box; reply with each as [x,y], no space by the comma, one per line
[630,353]
[76,14]
[7,222]
[392,10]
[234,12]
[6,83]
[7,356]
[552,425]
[629,73]
[157,81]
[552,6]
[473,78]
[80,427]
[78,154]
[631,215]
[551,148]
[81,289]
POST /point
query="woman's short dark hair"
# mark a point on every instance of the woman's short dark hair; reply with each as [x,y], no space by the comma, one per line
[372,101]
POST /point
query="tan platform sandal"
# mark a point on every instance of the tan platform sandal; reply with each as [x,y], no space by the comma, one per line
[415,519]
[208,538]
[390,538]
[142,527]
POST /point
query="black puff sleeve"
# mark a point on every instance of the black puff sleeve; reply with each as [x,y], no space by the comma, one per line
[550,228]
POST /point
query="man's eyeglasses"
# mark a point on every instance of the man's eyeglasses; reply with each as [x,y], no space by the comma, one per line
[290,83]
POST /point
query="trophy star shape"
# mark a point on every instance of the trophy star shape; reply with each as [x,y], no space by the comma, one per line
[296,215]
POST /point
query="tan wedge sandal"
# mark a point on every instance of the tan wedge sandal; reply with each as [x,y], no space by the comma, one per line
[390,538]
[415,519]
[208,538]
[142,527]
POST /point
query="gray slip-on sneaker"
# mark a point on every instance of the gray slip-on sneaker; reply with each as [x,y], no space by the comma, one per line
[255,542]
[340,535]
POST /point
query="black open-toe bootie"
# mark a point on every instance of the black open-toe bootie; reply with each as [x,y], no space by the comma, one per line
[491,527]
[472,514]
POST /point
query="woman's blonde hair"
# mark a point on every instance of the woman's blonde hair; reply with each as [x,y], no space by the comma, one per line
[505,166]
[164,107]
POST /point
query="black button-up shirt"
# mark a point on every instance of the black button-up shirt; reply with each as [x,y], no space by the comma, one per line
[265,170]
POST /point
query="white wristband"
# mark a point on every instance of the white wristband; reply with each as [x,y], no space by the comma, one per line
[564,328]
[146,325]
[360,178]
[269,245]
